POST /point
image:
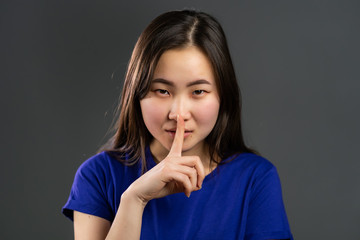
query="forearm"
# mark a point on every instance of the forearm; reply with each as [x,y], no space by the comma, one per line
[128,219]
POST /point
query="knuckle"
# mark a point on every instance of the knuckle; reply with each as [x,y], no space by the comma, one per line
[184,179]
[197,160]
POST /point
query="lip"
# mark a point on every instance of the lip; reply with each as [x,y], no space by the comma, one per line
[172,132]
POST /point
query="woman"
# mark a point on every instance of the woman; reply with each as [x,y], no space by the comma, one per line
[179,131]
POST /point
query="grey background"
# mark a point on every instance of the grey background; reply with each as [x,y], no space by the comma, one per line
[61,70]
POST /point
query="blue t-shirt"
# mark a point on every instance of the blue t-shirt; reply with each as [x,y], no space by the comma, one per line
[241,199]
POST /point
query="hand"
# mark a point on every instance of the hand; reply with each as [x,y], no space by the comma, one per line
[174,174]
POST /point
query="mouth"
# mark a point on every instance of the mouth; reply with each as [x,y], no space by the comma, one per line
[172,132]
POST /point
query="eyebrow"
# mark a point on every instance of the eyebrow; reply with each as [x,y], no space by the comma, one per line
[170,83]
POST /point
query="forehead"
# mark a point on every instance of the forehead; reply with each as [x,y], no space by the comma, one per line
[183,65]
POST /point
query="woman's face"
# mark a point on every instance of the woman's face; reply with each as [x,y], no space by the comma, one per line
[184,84]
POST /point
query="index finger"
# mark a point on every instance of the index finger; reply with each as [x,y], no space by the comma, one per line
[176,147]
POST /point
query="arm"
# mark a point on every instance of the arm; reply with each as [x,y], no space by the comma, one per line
[174,174]
[127,222]
[128,219]
[90,227]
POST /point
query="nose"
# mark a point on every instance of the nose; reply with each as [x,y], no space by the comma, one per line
[180,106]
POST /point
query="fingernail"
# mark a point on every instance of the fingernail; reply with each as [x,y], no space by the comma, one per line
[177,117]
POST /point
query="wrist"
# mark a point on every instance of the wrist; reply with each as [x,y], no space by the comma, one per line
[130,197]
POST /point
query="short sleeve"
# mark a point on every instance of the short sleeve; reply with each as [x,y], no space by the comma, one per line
[266,214]
[88,193]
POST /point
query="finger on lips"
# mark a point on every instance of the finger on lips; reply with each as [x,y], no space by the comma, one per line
[196,177]
[177,144]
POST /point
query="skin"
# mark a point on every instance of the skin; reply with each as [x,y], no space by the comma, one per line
[179,116]
[183,84]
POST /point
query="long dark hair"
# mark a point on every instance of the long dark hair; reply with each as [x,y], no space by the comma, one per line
[171,30]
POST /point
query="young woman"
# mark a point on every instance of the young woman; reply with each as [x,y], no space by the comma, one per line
[177,166]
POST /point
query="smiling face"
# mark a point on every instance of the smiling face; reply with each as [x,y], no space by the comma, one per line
[184,84]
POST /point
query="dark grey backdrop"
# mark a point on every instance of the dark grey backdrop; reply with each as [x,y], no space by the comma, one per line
[297,63]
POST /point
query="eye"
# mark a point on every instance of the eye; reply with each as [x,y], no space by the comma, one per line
[162,92]
[198,92]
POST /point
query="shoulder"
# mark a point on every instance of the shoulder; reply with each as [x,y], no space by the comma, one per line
[99,162]
[250,161]
[102,165]
[98,185]
[248,167]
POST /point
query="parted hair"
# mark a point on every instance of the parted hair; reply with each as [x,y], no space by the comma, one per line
[177,29]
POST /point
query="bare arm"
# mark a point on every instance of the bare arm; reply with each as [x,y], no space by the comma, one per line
[90,227]
[127,223]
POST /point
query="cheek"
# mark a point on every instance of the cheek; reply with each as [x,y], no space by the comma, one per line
[207,113]
[153,114]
